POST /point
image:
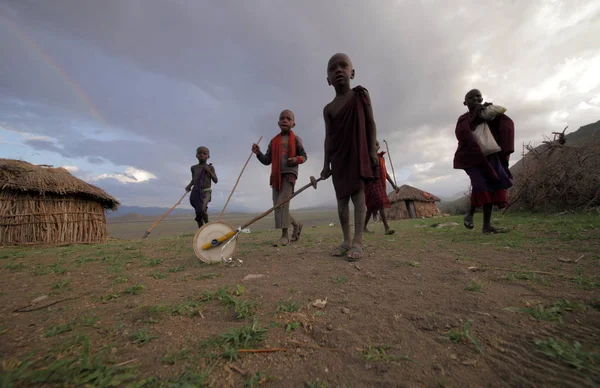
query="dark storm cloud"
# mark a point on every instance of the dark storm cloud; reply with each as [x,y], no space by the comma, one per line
[179,74]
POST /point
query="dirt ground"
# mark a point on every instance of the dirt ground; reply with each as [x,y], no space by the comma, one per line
[426,307]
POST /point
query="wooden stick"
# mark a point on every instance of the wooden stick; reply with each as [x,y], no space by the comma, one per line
[237,181]
[266,213]
[390,158]
[126,362]
[164,215]
[522,270]
[22,309]
[266,350]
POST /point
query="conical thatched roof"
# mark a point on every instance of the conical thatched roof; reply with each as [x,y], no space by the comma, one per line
[18,175]
[406,192]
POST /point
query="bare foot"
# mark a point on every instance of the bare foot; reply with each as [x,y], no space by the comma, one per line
[283,241]
[492,230]
[468,221]
[296,232]
[340,251]
[355,253]
[390,231]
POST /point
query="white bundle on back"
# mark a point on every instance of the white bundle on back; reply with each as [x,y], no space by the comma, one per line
[491,111]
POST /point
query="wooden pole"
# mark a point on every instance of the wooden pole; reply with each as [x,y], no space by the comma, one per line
[390,158]
[164,215]
[237,181]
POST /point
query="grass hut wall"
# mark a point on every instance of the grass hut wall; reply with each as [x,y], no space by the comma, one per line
[410,202]
[49,206]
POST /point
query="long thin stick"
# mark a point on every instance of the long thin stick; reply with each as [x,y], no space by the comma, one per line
[267,212]
[390,158]
[265,350]
[523,270]
[237,181]
[164,215]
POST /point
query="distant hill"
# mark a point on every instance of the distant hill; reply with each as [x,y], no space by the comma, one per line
[125,212]
[572,139]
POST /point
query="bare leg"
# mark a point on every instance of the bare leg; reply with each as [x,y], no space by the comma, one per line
[468,218]
[385,223]
[284,240]
[297,228]
[205,202]
[358,200]
[344,216]
[367,221]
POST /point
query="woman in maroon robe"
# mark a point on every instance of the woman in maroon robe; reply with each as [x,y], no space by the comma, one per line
[489,174]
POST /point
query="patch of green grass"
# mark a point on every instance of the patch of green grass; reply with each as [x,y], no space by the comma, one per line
[189,379]
[554,312]
[88,320]
[121,280]
[230,298]
[142,337]
[61,284]
[527,276]
[257,379]
[176,269]
[172,358]
[376,353]
[572,354]
[14,266]
[339,279]
[60,329]
[414,264]
[110,296]
[78,368]
[587,282]
[158,275]
[153,263]
[291,326]
[234,339]
[288,306]
[83,260]
[460,336]
[136,289]
[474,286]
[186,309]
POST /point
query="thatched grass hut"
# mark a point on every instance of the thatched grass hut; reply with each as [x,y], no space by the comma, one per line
[410,202]
[43,205]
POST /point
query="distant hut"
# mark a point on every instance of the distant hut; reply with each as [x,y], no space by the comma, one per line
[410,202]
[44,205]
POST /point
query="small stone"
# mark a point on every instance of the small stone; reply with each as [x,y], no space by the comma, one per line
[345,310]
[113,350]
[252,276]
[329,327]
[39,299]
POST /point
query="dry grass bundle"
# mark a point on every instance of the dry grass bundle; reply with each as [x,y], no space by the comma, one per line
[555,176]
[49,206]
[409,193]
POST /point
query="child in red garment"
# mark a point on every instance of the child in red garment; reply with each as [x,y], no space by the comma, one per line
[376,194]
[350,153]
[284,154]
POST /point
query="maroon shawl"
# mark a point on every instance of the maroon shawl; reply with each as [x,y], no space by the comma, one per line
[348,146]
[468,153]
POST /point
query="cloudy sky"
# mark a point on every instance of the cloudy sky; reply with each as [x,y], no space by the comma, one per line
[123,91]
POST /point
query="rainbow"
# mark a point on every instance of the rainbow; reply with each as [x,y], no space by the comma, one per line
[52,63]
